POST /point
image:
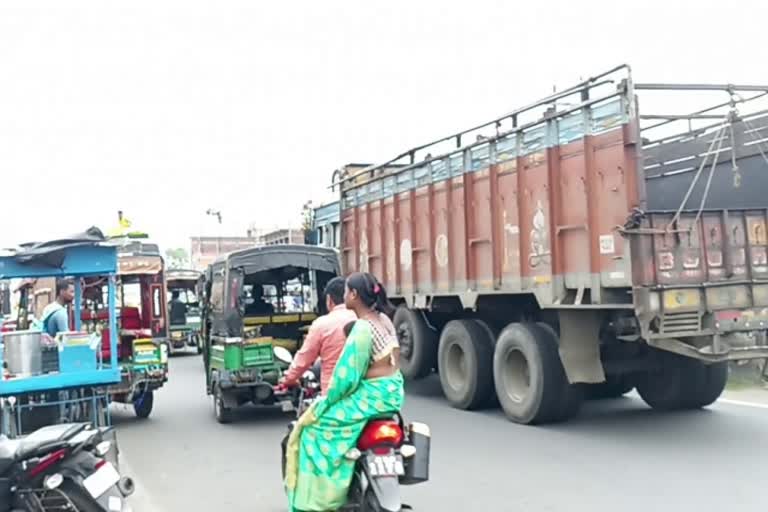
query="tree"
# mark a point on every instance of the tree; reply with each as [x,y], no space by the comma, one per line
[177,258]
[308,223]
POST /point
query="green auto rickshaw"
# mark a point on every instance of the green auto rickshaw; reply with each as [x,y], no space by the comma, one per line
[253,301]
[184,310]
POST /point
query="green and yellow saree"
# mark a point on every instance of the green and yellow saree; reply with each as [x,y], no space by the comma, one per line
[317,473]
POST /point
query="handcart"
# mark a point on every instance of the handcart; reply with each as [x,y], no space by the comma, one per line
[63,379]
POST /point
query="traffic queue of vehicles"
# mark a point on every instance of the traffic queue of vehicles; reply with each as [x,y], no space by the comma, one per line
[573,248]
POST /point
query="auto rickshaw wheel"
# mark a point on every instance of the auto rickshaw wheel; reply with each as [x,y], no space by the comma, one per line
[142,406]
[223,413]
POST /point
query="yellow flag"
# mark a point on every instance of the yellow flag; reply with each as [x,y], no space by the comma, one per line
[122,225]
[124,222]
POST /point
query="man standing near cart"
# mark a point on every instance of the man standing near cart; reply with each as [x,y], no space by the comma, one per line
[55,315]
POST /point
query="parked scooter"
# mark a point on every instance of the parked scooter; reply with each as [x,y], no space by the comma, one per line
[388,454]
[68,467]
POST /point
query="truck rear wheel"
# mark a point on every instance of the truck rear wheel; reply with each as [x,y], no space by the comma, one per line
[528,374]
[418,344]
[492,401]
[573,394]
[674,385]
[714,377]
[465,362]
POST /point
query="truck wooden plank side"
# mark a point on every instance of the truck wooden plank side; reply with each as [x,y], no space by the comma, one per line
[575,246]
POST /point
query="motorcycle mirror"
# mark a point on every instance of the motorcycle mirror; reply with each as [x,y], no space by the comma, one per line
[283,354]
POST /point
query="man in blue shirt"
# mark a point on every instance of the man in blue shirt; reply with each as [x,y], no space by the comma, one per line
[55,315]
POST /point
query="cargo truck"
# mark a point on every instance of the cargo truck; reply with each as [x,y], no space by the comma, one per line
[576,246]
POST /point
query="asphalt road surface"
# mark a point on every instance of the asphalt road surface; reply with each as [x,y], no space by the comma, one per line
[618,455]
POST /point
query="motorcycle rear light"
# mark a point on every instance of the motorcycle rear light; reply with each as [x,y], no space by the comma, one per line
[100,464]
[382,432]
[46,462]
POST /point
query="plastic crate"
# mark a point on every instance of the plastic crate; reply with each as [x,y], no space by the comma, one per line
[258,355]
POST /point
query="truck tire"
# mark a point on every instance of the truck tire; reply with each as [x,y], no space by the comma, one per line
[712,384]
[573,394]
[418,344]
[674,386]
[465,362]
[492,402]
[528,374]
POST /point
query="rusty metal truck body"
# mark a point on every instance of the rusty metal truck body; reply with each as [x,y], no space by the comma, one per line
[575,245]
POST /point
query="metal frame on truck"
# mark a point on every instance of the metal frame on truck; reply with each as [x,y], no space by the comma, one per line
[575,245]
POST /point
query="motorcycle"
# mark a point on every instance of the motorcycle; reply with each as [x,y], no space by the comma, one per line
[67,467]
[388,453]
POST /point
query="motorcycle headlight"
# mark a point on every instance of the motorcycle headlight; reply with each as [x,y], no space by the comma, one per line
[163,353]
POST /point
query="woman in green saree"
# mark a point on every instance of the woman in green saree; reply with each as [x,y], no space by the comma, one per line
[366,384]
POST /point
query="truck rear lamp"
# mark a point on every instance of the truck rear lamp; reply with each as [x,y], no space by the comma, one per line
[681,299]
[727,316]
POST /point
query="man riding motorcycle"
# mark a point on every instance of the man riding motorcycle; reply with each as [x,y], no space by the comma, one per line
[325,338]
[366,385]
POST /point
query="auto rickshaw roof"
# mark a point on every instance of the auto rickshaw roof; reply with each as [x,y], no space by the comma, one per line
[180,274]
[260,259]
[77,255]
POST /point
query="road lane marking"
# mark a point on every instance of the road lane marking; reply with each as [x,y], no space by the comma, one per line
[743,403]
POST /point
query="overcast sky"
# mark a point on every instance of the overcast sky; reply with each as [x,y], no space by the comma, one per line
[165,109]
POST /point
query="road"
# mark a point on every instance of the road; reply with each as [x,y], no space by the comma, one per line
[618,455]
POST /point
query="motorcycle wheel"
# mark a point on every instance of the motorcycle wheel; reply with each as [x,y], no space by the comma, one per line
[222,412]
[370,503]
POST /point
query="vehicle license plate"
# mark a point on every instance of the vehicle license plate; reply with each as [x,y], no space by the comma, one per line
[100,482]
[386,465]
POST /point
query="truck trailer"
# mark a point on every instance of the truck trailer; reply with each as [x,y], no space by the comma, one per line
[576,247]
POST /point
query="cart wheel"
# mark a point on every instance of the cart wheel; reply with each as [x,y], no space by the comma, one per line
[223,413]
[142,406]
